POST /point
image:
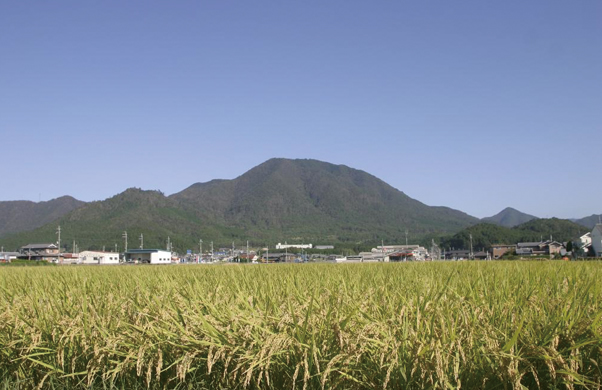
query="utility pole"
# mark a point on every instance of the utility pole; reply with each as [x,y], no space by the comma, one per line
[168,244]
[115,247]
[212,251]
[247,251]
[200,250]
[471,254]
[406,237]
[382,247]
[267,253]
[232,250]
[58,232]
[125,237]
[141,241]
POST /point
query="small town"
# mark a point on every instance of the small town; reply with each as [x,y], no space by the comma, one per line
[587,245]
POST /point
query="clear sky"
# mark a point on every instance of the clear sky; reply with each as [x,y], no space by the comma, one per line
[475,105]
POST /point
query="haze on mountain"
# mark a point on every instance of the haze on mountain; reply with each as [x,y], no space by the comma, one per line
[22,215]
[590,221]
[277,201]
[509,217]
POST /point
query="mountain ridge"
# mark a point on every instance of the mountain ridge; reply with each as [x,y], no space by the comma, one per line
[278,200]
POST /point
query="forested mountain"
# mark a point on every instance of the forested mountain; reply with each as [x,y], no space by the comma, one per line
[102,224]
[509,217]
[309,199]
[279,200]
[485,234]
[590,221]
[21,215]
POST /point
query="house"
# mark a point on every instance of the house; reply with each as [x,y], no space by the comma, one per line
[544,248]
[457,254]
[46,252]
[415,254]
[280,257]
[324,247]
[597,240]
[149,256]
[500,250]
[93,257]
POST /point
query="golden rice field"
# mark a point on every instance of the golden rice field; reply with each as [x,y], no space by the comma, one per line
[473,325]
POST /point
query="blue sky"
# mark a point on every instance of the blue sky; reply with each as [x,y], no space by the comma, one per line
[473,105]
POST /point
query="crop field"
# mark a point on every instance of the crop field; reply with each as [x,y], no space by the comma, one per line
[474,325]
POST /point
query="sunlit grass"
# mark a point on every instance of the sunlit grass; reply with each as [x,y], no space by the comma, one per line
[435,325]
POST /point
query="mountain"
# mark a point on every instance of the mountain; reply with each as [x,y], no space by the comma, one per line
[484,235]
[314,200]
[509,217]
[590,221]
[101,224]
[279,200]
[18,216]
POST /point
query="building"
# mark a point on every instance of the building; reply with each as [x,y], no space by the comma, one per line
[499,250]
[544,248]
[93,257]
[394,248]
[597,240]
[322,247]
[7,257]
[288,246]
[46,252]
[280,257]
[368,257]
[410,254]
[148,256]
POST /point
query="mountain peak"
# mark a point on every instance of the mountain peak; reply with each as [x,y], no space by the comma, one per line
[509,217]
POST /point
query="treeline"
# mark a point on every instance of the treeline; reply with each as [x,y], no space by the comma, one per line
[484,235]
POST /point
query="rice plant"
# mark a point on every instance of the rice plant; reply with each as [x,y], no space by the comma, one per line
[498,325]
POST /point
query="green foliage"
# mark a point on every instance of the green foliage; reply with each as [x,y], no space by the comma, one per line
[485,235]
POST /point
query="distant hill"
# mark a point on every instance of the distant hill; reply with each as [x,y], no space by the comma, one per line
[484,235]
[102,224]
[509,217]
[590,221]
[279,200]
[18,216]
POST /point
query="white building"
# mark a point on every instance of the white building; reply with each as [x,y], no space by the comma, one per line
[597,240]
[93,257]
[394,248]
[299,246]
[149,256]
[584,240]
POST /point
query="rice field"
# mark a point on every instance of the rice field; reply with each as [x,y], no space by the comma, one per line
[473,325]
